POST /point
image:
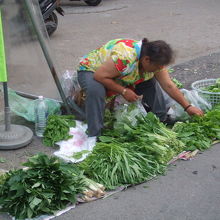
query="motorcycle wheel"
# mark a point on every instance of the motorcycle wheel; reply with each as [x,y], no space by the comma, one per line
[51,23]
[92,2]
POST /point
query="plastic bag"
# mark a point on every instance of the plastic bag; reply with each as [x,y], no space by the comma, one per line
[177,112]
[79,143]
[126,113]
[70,84]
[25,107]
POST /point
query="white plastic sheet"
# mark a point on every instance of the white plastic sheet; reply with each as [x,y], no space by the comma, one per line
[78,143]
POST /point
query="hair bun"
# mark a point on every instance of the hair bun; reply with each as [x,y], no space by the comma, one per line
[145,41]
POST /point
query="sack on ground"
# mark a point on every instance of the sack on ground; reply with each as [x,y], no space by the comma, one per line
[25,107]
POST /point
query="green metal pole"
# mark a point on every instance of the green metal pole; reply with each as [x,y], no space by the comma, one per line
[11,136]
[3,77]
[3,69]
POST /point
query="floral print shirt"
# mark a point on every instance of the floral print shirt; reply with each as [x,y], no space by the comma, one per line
[125,53]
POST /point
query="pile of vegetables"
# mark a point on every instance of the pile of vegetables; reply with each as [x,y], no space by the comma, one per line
[114,165]
[57,129]
[47,185]
[132,154]
[149,136]
[213,88]
[92,190]
[200,132]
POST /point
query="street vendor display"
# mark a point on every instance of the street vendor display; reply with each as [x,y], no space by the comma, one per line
[132,149]
[130,68]
[128,155]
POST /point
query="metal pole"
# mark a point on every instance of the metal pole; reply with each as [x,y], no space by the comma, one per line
[7,109]
[11,136]
[46,54]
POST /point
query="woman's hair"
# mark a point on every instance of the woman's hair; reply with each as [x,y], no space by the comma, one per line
[158,51]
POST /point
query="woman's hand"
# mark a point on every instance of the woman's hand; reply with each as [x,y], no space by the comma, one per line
[194,111]
[129,95]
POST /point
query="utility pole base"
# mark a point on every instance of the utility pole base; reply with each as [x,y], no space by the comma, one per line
[18,136]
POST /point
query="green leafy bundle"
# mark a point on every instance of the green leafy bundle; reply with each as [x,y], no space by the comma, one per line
[46,186]
[157,140]
[213,88]
[200,132]
[132,154]
[2,176]
[192,135]
[112,165]
[57,129]
[150,137]
[109,119]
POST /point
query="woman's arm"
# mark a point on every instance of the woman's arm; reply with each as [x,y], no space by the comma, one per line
[167,84]
[106,74]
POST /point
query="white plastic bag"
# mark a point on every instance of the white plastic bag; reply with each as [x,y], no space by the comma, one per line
[177,112]
[79,143]
[126,113]
[70,84]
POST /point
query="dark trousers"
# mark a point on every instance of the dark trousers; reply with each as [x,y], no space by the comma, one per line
[153,100]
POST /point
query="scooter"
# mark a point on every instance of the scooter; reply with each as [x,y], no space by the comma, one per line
[90,2]
[50,18]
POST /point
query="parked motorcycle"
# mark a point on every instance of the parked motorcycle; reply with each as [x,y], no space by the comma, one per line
[90,2]
[50,18]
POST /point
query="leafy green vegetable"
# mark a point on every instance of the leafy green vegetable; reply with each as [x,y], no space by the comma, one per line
[177,83]
[192,135]
[109,119]
[170,70]
[2,176]
[111,161]
[213,88]
[46,186]
[78,155]
[57,129]
[218,82]
[149,136]
[200,132]
[114,165]
[132,154]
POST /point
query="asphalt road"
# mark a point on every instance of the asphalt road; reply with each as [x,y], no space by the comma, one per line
[190,190]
